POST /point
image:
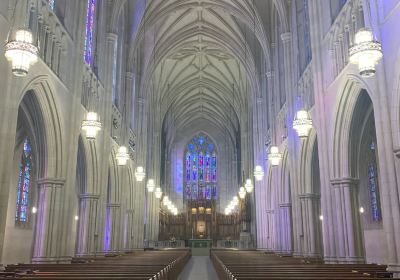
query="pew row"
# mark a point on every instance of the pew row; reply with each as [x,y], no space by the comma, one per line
[144,265]
[254,265]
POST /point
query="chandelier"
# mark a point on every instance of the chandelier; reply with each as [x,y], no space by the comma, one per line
[235,201]
[122,156]
[150,185]
[302,123]
[165,200]
[259,173]
[242,192]
[139,173]
[248,186]
[274,156]
[21,52]
[158,192]
[366,52]
[91,125]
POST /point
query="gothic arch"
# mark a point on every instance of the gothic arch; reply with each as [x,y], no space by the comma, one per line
[49,132]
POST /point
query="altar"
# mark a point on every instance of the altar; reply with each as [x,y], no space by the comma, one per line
[200,243]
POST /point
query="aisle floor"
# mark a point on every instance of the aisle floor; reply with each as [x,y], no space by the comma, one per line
[199,268]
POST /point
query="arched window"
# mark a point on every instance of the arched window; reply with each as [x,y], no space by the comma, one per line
[24,183]
[303,34]
[201,169]
[90,28]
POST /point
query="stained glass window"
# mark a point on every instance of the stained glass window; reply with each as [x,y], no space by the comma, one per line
[201,169]
[24,183]
[90,27]
[51,4]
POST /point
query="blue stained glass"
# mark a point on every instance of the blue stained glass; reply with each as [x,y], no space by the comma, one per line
[24,183]
[201,166]
[51,4]
[90,26]
[201,140]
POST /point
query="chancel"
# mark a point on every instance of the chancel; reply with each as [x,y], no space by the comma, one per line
[199,139]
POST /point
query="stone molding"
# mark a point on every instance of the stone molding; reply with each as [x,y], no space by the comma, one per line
[51,181]
[89,196]
[344,181]
[309,195]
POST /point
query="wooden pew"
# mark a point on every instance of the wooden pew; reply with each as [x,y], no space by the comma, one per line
[246,265]
[161,265]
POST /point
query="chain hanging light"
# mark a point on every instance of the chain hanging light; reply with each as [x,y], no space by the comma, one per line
[242,192]
[21,52]
[151,185]
[248,186]
[158,192]
[122,156]
[258,173]
[139,173]
[366,52]
[91,125]
[274,156]
[302,123]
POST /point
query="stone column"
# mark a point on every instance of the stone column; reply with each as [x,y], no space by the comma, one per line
[285,210]
[129,232]
[87,241]
[349,238]
[113,227]
[49,235]
[311,227]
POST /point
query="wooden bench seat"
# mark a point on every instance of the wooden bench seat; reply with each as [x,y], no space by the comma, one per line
[253,265]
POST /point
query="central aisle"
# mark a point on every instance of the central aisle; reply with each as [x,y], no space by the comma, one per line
[199,268]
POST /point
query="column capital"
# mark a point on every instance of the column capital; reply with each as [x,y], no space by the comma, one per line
[285,205]
[113,205]
[350,181]
[51,181]
[396,152]
[309,195]
[130,75]
[89,196]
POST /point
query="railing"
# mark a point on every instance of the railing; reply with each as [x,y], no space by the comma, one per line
[341,35]
[229,244]
[166,244]
[92,89]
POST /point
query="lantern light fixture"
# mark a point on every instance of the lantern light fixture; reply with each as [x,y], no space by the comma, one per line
[76,217]
[242,192]
[21,52]
[258,172]
[91,125]
[158,192]
[34,210]
[366,52]
[122,156]
[249,186]
[302,123]
[151,185]
[274,156]
[139,173]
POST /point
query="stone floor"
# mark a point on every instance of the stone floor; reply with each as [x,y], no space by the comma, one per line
[199,268]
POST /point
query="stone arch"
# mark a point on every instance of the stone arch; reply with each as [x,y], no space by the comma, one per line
[43,104]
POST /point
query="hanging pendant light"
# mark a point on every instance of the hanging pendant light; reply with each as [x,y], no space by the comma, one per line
[274,156]
[258,173]
[139,173]
[21,52]
[249,186]
[235,200]
[122,156]
[302,123]
[150,185]
[91,125]
[158,192]
[366,52]
[242,192]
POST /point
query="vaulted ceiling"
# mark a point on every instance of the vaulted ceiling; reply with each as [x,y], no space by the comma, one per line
[205,67]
